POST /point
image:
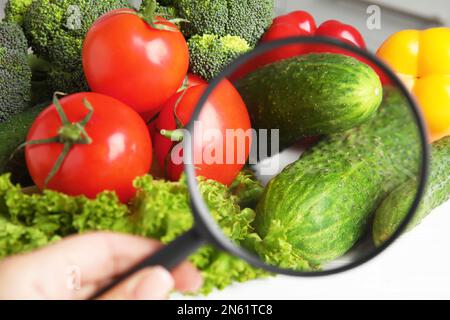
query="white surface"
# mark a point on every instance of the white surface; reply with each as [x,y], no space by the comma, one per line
[417,266]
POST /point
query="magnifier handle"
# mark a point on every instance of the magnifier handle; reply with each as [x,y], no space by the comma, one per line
[168,257]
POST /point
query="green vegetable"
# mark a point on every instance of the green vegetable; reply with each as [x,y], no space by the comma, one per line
[247,189]
[161,210]
[318,207]
[41,88]
[248,19]
[15,73]
[210,54]
[167,12]
[15,10]
[311,95]
[56,30]
[395,207]
[18,238]
[13,132]
[63,80]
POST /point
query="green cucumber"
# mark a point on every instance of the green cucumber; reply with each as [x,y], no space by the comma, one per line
[13,133]
[311,95]
[319,206]
[395,207]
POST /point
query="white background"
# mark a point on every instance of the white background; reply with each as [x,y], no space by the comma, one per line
[417,266]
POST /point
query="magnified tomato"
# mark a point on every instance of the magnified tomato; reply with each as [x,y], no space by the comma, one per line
[219,157]
[119,148]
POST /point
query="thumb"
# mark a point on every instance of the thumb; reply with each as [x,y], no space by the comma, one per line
[153,283]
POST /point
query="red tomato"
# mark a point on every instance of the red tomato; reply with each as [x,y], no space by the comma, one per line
[126,58]
[194,80]
[120,151]
[224,110]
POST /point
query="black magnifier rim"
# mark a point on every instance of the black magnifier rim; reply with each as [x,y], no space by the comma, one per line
[205,223]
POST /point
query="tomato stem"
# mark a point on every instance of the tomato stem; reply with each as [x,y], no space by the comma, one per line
[147,12]
[173,135]
[148,9]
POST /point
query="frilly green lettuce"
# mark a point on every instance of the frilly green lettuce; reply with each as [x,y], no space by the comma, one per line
[160,210]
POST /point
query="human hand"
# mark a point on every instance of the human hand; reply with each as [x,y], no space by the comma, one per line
[76,267]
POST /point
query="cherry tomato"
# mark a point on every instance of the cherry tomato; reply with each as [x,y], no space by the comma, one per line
[120,151]
[141,65]
[223,110]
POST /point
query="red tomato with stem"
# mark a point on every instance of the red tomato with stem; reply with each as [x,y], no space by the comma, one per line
[191,80]
[138,62]
[223,110]
[115,149]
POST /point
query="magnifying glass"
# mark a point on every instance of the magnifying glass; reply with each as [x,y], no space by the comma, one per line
[316,214]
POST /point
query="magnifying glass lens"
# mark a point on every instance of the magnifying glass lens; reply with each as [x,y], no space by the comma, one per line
[308,162]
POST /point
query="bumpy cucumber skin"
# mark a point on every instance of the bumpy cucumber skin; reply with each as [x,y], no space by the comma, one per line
[311,95]
[324,201]
[396,205]
[14,131]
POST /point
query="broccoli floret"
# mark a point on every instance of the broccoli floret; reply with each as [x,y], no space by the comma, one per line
[210,54]
[15,10]
[15,73]
[245,18]
[56,31]
[67,81]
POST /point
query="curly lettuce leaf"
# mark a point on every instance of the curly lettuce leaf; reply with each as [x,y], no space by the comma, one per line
[247,189]
[16,238]
[160,210]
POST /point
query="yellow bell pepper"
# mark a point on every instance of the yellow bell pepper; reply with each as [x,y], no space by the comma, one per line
[422,60]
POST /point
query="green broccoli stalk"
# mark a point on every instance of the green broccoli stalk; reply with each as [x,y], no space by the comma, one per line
[56,30]
[248,19]
[15,73]
[160,210]
[41,88]
[15,10]
[210,54]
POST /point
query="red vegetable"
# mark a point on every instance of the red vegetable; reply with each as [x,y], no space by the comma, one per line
[301,23]
[224,109]
[341,31]
[106,152]
[191,80]
[141,62]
